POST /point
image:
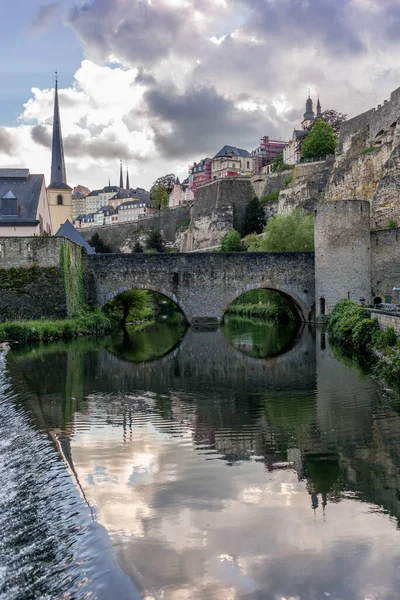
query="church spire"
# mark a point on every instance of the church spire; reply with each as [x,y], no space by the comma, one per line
[58,177]
[127,179]
[319,110]
[121,179]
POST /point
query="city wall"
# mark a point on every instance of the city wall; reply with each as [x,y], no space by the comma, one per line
[31,282]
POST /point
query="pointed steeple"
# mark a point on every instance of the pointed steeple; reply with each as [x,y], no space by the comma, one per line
[127,179]
[309,114]
[319,110]
[58,179]
[177,182]
[121,179]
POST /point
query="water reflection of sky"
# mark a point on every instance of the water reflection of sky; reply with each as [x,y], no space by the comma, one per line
[195,527]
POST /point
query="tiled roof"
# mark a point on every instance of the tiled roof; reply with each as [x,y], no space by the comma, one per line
[27,191]
[14,174]
[232,150]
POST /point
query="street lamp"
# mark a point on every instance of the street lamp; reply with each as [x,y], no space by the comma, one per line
[362,301]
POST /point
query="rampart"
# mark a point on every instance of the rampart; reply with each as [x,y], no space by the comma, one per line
[122,237]
[376,120]
[385,247]
[31,281]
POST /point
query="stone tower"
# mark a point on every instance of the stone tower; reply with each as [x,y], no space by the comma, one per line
[59,193]
[309,115]
[342,253]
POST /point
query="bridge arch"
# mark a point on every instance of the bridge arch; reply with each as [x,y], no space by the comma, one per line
[145,287]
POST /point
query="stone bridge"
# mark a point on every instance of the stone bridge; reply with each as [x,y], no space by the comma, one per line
[203,284]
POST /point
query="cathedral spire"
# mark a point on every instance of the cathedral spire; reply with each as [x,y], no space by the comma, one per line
[127,179]
[319,110]
[121,179]
[58,177]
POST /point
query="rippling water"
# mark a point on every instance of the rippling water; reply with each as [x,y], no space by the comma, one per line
[239,464]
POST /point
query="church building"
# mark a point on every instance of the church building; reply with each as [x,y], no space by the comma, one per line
[292,151]
[59,193]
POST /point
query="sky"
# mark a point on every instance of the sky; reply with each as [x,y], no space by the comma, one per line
[163,83]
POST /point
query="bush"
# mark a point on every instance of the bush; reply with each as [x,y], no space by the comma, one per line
[155,241]
[392,224]
[231,242]
[293,232]
[254,218]
[351,326]
[269,198]
[288,181]
[369,149]
[321,141]
[185,224]
[386,338]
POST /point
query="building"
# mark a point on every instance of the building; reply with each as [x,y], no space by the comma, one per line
[231,161]
[292,151]
[177,195]
[132,210]
[59,193]
[79,194]
[106,215]
[199,174]
[68,230]
[266,153]
[24,208]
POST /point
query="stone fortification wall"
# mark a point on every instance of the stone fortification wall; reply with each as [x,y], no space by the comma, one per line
[31,281]
[122,237]
[219,207]
[385,263]
[387,319]
[307,186]
[374,120]
[343,253]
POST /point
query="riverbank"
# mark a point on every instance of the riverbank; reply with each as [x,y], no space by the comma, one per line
[94,323]
[352,328]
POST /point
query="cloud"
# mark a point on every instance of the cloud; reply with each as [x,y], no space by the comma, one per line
[41,135]
[8,145]
[44,16]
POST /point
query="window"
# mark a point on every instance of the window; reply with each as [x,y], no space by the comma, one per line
[59,200]
[322,306]
[248,164]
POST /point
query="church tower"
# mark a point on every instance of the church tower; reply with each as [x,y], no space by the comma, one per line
[319,109]
[309,115]
[59,193]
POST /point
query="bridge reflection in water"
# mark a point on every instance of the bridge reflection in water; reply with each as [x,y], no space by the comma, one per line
[153,444]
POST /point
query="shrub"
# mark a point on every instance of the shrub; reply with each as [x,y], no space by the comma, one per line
[288,181]
[368,149]
[231,242]
[351,326]
[293,232]
[321,141]
[185,224]
[269,198]
[392,224]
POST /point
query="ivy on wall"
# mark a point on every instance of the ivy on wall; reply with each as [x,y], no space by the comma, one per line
[72,274]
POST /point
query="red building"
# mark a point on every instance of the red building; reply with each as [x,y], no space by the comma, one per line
[199,174]
[266,152]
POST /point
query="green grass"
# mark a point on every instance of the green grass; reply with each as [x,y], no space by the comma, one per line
[369,149]
[269,198]
[88,323]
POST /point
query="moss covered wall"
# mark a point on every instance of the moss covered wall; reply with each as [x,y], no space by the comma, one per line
[39,277]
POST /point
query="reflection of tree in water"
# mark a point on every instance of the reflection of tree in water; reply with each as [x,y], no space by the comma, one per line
[259,338]
[150,342]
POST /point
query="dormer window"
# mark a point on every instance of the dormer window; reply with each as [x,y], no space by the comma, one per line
[9,205]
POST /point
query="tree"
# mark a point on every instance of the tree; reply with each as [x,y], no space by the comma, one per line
[155,241]
[231,242]
[320,141]
[293,232]
[131,302]
[99,246]
[334,119]
[277,162]
[254,218]
[138,247]
[160,196]
[168,181]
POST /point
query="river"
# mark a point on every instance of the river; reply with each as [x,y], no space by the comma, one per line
[244,463]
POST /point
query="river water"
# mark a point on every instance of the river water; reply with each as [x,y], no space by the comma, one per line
[244,463]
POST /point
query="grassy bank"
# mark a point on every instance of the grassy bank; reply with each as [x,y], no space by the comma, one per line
[357,334]
[88,323]
[257,311]
[262,304]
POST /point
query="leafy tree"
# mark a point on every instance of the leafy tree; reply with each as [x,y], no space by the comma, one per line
[134,304]
[254,218]
[155,241]
[168,181]
[279,165]
[334,119]
[99,246]
[159,196]
[231,242]
[293,232]
[320,141]
[138,247]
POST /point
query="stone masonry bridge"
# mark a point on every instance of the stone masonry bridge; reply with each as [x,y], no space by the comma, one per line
[203,284]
